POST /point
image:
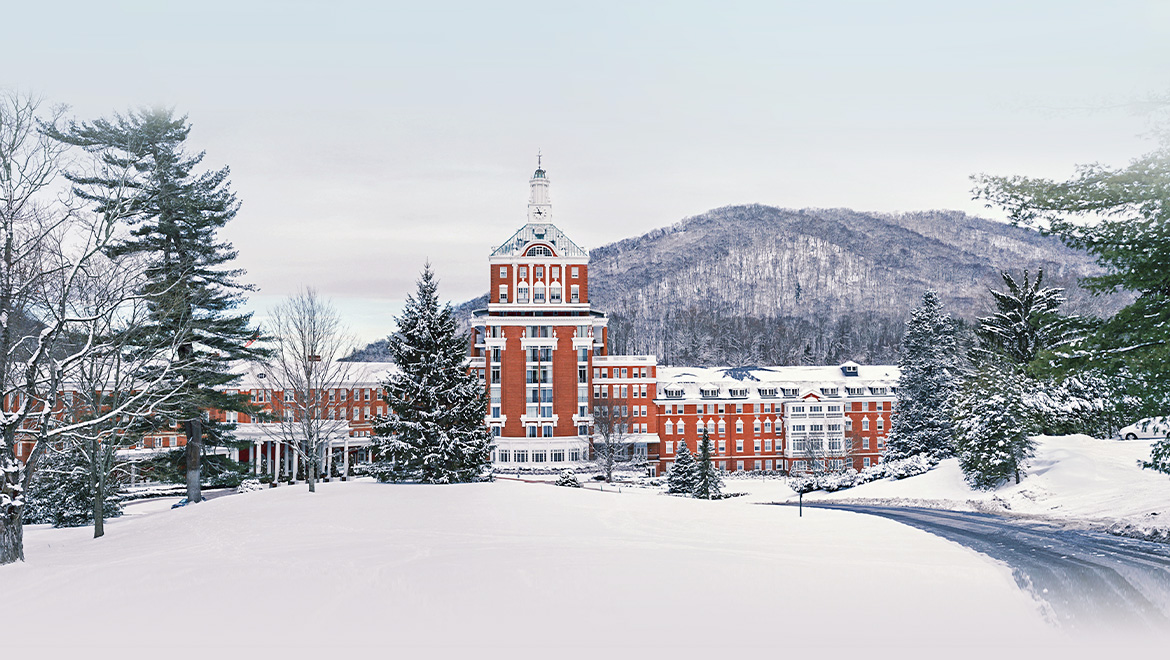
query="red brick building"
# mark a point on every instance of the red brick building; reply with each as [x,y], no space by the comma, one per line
[542,352]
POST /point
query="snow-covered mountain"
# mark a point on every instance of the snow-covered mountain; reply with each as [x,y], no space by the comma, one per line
[758,284]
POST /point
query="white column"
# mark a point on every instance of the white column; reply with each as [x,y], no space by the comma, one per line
[345,459]
[296,460]
[256,458]
[329,459]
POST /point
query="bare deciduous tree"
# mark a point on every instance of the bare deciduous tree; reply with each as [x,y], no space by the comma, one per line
[612,441]
[308,342]
[51,254]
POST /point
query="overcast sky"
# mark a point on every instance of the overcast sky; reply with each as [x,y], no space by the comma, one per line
[365,138]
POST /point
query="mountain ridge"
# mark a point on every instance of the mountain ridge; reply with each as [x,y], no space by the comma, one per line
[756,284]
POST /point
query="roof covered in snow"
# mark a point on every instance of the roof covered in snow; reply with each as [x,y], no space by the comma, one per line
[355,374]
[539,232]
[718,382]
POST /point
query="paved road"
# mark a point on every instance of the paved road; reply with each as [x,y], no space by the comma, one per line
[1089,580]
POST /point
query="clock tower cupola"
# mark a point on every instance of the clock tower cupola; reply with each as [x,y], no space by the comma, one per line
[539,206]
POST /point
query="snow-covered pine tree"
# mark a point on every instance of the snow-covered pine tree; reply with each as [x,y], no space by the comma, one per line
[681,478]
[193,291]
[992,425]
[926,389]
[61,490]
[708,481]
[434,432]
[1027,320]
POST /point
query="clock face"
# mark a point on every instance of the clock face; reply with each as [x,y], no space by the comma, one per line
[539,213]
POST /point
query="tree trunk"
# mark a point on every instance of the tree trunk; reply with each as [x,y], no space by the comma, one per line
[11,535]
[97,487]
[194,455]
[311,468]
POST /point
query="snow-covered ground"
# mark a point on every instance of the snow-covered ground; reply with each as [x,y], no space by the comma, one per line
[1072,477]
[506,568]
[532,570]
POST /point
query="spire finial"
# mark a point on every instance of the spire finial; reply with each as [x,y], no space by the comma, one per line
[538,159]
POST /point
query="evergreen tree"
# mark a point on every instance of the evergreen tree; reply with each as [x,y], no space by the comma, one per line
[175,216]
[62,491]
[1121,216]
[708,481]
[926,388]
[992,425]
[681,478]
[1027,320]
[434,432]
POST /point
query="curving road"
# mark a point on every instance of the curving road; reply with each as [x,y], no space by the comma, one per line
[1086,580]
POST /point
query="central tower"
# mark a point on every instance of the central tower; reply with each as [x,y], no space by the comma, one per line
[536,340]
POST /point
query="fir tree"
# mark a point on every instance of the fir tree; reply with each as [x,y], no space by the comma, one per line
[1122,217]
[929,368]
[992,425]
[175,216]
[1027,320]
[708,481]
[681,478]
[62,491]
[434,432]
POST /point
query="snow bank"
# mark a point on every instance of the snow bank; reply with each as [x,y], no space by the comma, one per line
[1072,477]
[483,569]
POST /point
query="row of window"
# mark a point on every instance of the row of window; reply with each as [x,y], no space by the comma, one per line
[720,427]
[537,455]
[538,294]
[714,392]
[538,272]
[619,391]
[621,372]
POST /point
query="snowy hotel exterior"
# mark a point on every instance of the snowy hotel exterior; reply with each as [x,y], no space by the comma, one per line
[542,352]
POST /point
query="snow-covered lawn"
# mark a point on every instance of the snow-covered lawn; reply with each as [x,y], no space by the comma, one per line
[506,568]
[1072,477]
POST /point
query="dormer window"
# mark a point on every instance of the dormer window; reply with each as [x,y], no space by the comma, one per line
[829,391]
[709,392]
[673,394]
[768,392]
[879,391]
[790,392]
[738,393]
[539,251]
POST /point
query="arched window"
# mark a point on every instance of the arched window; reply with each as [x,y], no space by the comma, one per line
[669,427]
[711,426]
[722,427]
[739,426]
[756,427]
[682,427]
[539,251]
[767,426]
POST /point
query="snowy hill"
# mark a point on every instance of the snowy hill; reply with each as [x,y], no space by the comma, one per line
[1071,477]
[486,569]
[754,284]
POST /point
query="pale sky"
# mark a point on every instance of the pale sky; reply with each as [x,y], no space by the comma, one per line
[367,137]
